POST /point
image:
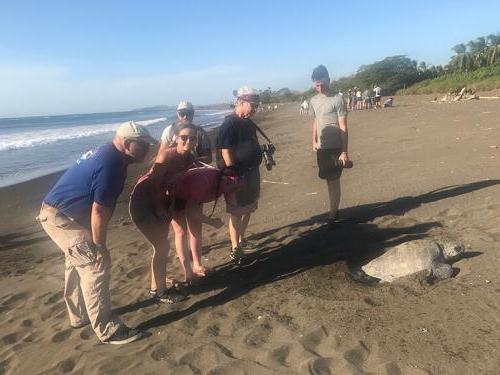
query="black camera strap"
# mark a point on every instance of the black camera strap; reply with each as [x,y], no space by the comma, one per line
[262,133]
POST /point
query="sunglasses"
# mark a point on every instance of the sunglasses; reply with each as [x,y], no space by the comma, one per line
[185,138]
[186,113]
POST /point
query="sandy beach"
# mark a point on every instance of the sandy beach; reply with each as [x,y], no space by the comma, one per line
[422,170]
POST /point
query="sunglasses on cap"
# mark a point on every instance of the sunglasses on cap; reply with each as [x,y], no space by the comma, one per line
[185,113]
[185,138]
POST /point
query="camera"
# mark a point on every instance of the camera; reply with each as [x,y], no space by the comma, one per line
[339,164]
[268,150]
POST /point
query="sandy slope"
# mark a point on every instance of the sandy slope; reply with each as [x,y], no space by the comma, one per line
[421,170]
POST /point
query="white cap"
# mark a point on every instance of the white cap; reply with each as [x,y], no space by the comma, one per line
[245,90]
[248,94]
[185,105]
[131,130]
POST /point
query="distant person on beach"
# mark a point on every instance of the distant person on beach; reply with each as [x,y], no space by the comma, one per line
[366,99]
[378,96]
[238,148]
[75,214]
[388,103]
[359,99]
[304,107]
[329,136]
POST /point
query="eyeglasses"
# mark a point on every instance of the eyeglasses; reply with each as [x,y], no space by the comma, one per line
[184,113]
[185,138]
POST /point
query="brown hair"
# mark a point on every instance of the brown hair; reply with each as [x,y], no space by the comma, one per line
[184,126]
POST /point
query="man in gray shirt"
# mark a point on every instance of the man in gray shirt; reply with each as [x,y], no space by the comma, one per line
[329,136]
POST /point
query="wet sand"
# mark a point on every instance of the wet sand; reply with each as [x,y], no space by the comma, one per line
[422,170]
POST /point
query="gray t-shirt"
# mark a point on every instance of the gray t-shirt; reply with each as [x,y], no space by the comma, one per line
[327,110]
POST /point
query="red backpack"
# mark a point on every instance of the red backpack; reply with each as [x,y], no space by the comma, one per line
[204,184]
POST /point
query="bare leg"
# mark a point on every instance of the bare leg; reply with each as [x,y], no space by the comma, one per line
[179,226]
[195,237]
[159,265]
[243,227]
[234,230]
[158,237]
[334,195]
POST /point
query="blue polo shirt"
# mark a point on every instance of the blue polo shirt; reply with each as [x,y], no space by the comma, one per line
[98,176]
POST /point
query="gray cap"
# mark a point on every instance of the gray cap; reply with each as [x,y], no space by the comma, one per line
[133,131]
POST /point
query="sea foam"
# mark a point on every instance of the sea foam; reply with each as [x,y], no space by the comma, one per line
[42,137]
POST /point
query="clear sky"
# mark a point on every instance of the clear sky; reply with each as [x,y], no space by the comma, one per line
[94,56]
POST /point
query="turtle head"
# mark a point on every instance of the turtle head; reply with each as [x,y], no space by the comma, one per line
[452,250]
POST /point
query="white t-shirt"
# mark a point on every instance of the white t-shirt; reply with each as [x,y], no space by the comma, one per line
[377,91]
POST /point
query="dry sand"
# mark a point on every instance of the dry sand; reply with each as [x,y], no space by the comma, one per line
[422,170]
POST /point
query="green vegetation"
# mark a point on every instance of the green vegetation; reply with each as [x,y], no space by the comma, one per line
[483,79]
[476,64]
[478,53]
[280,96]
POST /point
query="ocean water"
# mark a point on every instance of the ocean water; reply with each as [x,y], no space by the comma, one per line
[35,146]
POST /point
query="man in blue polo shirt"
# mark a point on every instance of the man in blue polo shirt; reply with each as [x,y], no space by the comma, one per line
[75,214]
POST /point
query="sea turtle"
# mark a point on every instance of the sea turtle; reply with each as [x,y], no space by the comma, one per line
[411,257]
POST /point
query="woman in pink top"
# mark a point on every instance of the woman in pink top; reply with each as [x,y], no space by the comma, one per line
[151,208]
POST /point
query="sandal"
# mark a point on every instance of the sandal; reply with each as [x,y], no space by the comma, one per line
[207,271]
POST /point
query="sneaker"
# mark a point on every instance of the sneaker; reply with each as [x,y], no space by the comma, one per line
[236,254]
[171,296]
[124,335]
[152,293]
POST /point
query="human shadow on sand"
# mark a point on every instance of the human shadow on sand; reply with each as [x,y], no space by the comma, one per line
[295,248]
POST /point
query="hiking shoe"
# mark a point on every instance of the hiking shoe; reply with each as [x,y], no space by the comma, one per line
[236,254]
[171,296]
[124,335]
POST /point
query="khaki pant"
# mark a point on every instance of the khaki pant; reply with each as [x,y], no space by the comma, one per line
[87,274]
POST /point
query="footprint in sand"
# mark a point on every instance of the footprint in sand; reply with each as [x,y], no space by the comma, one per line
[207,356]
[11,338]
[66,365]
[139,271]
[30,338]
[27,323]
[159,353]
[23,296]
[61,336]
[56,310]
[280,355]
[86,333]
[55,297]
[213,330]
[259,335]
[320,366]
[358,355]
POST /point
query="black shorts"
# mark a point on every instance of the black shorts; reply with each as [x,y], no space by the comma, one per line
[250,191]
[328,168]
